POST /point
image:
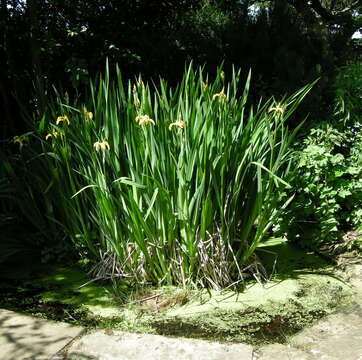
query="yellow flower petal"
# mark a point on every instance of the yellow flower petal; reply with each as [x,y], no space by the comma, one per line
[20,140]
[52,134]
[179,123]
[87,113]
[104,145]
[144,120]
[62,119]
[221,95]
[278,109]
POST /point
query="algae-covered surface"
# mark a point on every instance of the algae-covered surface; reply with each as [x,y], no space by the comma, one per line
[301,290]
[261,313]
[73,287]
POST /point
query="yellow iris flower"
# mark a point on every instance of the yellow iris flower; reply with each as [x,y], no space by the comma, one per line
[179,123]
[20,140]
[278,109]
[52,134]
[88,114]
[101,145]
[221,95]
[63,119]
[144,120]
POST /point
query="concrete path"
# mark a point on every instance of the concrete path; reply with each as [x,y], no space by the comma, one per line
[125,346]
[28,338]
[336,337]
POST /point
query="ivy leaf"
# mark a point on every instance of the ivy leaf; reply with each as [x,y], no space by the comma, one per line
[337,159]
[338,173]
[344,193]
[353,170]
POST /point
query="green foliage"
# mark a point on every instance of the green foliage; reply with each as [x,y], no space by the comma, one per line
[165,185]
[328,178]
[48,43]
[27,225]
[208,23]
[348,89]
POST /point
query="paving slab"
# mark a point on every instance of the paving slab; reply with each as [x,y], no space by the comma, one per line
[101,345]
[354,274]
[28,338]
[338,336]
[281,352]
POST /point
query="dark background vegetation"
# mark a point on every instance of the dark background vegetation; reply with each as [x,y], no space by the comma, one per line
[47,44]
[287,43]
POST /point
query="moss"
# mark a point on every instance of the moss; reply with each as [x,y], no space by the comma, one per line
[271,321]
[262,313]
[58,295]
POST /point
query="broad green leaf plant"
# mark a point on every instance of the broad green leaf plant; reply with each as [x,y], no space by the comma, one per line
[327,181]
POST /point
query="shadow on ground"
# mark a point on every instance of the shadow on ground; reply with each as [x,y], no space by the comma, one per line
[282,260]
[57,295]
[24,337]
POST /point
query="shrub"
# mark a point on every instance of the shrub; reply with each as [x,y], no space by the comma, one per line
[328,179]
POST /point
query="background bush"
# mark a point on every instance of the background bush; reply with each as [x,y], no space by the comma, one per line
[61,43]
[328,178]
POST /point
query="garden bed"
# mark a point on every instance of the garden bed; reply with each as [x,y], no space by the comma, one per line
[302,289]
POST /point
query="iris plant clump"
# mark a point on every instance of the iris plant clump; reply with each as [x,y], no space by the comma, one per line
[168,185]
